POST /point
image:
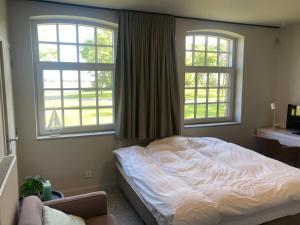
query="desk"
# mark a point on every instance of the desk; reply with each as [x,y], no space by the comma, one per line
[284,136]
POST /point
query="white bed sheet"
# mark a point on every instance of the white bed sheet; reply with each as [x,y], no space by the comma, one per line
[206,181]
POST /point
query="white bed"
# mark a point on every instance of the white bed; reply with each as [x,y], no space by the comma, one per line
[206,181]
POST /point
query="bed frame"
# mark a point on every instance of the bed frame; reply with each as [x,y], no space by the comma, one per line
[149,219]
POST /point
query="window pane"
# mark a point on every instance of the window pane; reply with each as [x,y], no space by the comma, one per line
[201,95]
[70,78]
[88,98]
[189,80]
[189,42]
[224,80]
[212,59]
[188,58]
[89,117]
[105,116]
[51,78]
[47,32]
[202,79]
[105,79]
[213,95]
[87,54]
[71,117]
[53,119]
[188,111]
[105,55]
[223,110]
[223,59]
[212,110]
[199,59]
[224,45]
[212,44]
[87,79]
[48,52]
[68,53]
[105,98]
[213,80]
[224,94]
[52,99]
[104,37]
[71,98]
[200,43]
[86,34]
[189,95]
[67,33]
[201,111]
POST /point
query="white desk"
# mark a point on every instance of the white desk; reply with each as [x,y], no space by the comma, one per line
[284,136]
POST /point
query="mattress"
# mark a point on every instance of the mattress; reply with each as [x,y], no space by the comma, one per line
[207,181]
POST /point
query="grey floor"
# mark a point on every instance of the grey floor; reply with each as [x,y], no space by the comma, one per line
[119,206]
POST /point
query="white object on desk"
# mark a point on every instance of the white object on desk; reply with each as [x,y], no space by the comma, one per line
[284,136]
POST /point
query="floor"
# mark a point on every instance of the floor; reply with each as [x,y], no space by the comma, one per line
[119,206]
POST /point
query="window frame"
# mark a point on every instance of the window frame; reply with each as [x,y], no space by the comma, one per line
[211,69]
[39,66]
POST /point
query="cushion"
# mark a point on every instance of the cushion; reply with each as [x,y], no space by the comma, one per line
[31,211]
[56,217]
[102,220]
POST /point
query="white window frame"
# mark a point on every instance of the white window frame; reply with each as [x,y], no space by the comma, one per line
[39,66]
[211,69]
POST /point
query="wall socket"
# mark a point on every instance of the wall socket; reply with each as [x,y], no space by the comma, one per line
[88,174]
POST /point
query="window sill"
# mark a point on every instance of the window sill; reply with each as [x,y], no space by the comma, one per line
[58,136]
[212,124]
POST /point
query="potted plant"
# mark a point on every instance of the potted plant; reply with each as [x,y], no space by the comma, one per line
[33,186]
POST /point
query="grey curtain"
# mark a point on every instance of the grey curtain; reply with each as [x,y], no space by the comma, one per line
[146,81]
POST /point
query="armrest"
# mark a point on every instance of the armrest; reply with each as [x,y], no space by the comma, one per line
[86,205]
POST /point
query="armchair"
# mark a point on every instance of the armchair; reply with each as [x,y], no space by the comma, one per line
[92,207]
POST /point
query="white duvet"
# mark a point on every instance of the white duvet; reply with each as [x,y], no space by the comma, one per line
[206,181]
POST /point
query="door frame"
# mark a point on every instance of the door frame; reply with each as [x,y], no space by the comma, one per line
[3,100]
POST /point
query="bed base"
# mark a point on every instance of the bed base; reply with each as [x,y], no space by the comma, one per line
[149,219]
[135,200]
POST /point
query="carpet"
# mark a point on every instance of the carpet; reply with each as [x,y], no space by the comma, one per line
[120,207]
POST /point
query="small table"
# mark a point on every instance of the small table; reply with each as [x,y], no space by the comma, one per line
[55,195]
[284,136]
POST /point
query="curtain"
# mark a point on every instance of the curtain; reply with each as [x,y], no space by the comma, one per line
[146,81]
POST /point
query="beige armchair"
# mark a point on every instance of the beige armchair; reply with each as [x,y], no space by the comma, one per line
[92,207]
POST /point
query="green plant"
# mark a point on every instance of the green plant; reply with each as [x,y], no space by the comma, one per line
[33,186]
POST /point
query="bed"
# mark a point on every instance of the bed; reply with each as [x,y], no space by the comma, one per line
[207,181]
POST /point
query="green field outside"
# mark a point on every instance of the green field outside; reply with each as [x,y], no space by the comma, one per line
[88,99]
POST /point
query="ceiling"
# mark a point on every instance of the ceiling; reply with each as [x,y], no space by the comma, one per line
[262,12]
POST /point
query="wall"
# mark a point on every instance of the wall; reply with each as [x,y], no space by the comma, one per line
[288,70]
[65,161]
[3,20]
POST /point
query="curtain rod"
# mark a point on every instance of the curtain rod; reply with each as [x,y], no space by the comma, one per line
[180,17]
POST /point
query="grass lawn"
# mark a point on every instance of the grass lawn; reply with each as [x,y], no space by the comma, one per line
[201,111]
[201,98]
[88,99]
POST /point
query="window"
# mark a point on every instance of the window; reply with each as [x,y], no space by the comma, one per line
[209,78]
[74,65]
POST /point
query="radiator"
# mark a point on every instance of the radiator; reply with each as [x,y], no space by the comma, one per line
[9,200]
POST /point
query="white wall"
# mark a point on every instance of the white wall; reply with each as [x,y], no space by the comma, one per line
[64,161]
[3,20]
[288,70]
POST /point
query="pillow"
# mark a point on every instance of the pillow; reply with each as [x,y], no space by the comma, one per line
[56,217]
